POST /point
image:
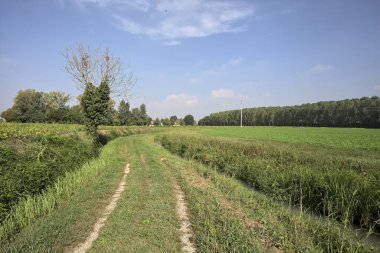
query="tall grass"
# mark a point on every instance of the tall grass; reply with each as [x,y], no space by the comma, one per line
[345,189]
[29,209]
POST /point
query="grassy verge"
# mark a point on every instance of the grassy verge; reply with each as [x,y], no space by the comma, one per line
[336,187]
[64,213]
[230,217]
[29,166]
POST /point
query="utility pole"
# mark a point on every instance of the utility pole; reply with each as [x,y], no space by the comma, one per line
[241,113]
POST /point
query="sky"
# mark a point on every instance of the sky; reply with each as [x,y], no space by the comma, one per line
[196,56]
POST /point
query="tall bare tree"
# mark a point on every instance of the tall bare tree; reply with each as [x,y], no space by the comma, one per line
[85,66]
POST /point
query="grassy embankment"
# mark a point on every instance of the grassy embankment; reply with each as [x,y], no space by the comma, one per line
[33,156]
[338,182]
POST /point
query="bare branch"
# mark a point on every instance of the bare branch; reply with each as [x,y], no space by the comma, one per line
[85,66]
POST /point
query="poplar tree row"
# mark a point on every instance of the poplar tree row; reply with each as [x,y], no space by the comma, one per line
[362,112]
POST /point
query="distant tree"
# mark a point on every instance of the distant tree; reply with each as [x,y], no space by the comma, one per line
[143,109]
[55,100]
[166,122]
[76,115]
[136,117]
[29,106]
[35,106]
[173,119]
[363,112]
[56,109]
[10,115]
[123,112]
[189,120]
[145,119]
[157,122]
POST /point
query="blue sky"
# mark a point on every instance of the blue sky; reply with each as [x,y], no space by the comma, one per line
[198,57]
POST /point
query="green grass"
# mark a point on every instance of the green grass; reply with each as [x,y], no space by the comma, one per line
[226,214]
[25,130]
[145,219]
[338,186]
[61,217]
[346,138]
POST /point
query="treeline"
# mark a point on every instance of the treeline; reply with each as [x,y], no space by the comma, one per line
[363,112]
[51,107]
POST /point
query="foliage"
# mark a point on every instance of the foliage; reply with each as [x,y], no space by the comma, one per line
[124,113]
[157,122]
[139,117]
[88,184]
[36,106]
[363,112]
[189,120]
[28,130]
[173,119]
[166,122]
[29,166]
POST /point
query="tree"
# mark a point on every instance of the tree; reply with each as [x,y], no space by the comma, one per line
[166,122]
[157,122]
[9,115]
[123,112]
[35,106]
[173,119]
[363,112]
[88,68]
[76,115]
[29,106]
[189,120]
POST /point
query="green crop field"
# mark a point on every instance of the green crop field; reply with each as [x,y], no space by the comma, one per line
[343,138]
[250,189]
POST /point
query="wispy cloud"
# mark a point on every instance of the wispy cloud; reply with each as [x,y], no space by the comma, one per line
[320,68]
[194,81]
[4,59]
[376,87]
[141,5]
[172,20]
[181,99]
[222,93]
[171,43]
[175,104]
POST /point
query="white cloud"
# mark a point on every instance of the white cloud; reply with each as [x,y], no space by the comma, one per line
[376,87]
[172,43]
[235,61]
[173,20]
[319,68]
[222,93]
[182,99]
[175,104]
[140,5]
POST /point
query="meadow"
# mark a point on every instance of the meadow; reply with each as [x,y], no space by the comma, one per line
[250,189]
[341,138]
[296,165]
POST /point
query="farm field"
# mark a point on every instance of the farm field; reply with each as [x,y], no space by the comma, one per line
[342,138]
[336,181]
[235,184]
